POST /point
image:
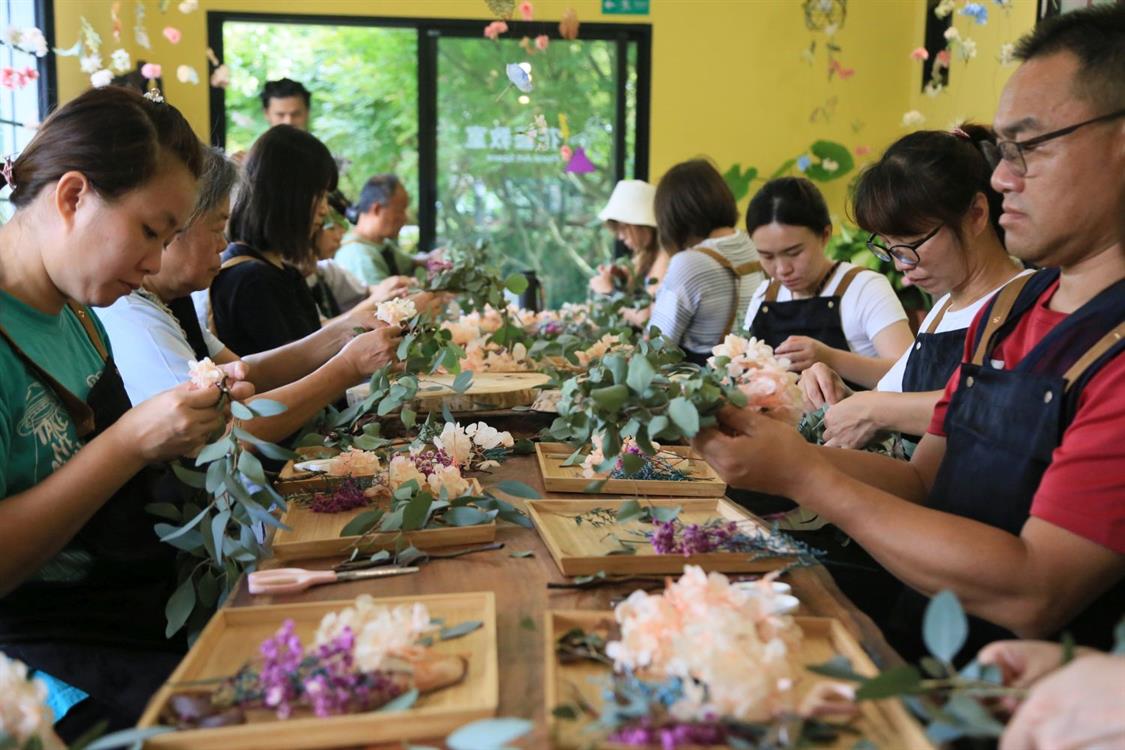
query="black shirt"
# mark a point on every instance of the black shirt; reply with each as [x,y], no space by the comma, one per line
[258,306]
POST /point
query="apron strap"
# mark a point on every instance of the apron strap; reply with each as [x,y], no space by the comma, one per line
[847,280]
[91,329]
[1001,307]
[772,290]
[940,316]
[228,263]
[80,412]
[1092,354]
[737,272]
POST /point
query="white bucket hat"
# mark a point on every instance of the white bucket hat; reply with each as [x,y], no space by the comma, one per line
[631,203]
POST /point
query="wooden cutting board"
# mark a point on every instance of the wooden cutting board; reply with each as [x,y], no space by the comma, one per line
[489,391]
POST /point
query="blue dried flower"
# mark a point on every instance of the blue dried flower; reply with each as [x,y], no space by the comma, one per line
[977,12]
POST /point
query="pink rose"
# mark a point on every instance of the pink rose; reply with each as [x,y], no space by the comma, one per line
[150,71]
[172,34]
[920,54]
[526,10]
[541,42]
[943,58]
[31,74]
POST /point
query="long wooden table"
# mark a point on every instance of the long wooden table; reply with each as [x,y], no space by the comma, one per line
[522,598]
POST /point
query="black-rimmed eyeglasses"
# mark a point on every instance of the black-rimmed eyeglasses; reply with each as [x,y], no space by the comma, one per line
[1012,152]
[905,253]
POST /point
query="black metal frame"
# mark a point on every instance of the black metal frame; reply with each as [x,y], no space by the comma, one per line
[429,31]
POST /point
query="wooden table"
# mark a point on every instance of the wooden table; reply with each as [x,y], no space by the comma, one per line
[522,598]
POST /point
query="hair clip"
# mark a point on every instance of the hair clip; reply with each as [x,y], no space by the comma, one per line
[154,95]
[7,169]
[961,134]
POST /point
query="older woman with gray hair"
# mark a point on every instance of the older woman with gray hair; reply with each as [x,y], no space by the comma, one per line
[156,336]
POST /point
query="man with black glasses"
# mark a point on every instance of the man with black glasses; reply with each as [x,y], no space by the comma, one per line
[1015,499]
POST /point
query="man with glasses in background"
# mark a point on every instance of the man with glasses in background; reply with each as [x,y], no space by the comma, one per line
[1015,500]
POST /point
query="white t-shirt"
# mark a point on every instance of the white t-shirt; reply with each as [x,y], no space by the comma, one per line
[954,320]
[149,347]
[868,306]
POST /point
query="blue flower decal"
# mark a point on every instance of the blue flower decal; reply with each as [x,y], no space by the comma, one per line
[977,12]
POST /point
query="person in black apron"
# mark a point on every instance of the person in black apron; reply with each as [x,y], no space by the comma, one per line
[789,223]
[107,180]
[930,195]
[1013,502]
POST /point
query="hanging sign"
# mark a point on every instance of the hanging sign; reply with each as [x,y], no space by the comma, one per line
[625,7]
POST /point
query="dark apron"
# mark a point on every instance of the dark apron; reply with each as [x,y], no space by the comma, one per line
[184,312]
[88,633]
[1002,428]
[933,359]
[326,302]
[736,274]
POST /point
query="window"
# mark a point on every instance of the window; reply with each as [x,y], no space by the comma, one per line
[23,107]
[431,101]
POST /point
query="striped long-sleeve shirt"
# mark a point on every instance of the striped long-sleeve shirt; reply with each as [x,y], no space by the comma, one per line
[697,295]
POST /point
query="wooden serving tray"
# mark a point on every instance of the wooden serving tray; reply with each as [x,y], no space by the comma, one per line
[317,535]
[704,482]
[886,723]
[291,481]
[232,638]
[580,549]
[489,391]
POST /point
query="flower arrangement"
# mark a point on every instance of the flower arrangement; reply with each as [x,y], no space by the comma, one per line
[702,663]
[634,463]
[364,657]
[651,394]
[396,312]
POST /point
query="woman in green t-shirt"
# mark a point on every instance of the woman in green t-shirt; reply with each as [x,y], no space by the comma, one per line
[105,184]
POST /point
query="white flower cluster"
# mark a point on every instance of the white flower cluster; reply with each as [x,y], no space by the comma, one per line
[464,445]
[765,378]
[397,311]
[23,710]
[404,469]
[381,633]
[737,657]
[28,38]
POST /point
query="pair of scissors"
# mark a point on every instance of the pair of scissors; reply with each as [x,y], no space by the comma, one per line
[295,580]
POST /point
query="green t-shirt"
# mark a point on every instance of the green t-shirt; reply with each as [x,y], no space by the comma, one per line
[365,259]
[37,435]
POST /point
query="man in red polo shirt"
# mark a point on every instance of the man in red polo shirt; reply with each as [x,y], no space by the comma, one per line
[1016,498]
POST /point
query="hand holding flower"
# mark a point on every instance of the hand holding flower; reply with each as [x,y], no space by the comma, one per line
[752,451]
[821,385]
[802,352]
[851,423]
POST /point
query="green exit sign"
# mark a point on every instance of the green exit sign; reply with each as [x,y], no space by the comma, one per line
[625,7]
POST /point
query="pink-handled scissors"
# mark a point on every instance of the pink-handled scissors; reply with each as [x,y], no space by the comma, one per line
[294,580]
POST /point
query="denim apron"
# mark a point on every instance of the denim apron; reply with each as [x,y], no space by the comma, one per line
[933,359]
[105,633]
[1002,428]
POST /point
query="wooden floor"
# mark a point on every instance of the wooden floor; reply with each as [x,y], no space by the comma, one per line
[522,597]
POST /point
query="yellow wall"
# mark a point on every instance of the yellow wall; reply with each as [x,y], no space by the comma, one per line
[729,79]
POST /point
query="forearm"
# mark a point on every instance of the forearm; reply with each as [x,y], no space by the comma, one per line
[37,523]
[990,570]
[898,478]
[855,368]
[904,412]
[303,399]
[286,364]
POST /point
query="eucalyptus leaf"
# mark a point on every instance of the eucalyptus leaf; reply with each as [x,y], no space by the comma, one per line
[179,607]
[194,479]
[401,702]
[463,381]
[465,516]
[212,451]
[416,512]
[239,411]
[895,681]
[664,513]
[362,523]
[945,627]
[516,283]
[127,738]
[164,510]
[522,553]
[641,373]
[460,629]
[838,667]
[517,489]
[409,555]
[488,734]
[186,527]
[630,510]
[684,415]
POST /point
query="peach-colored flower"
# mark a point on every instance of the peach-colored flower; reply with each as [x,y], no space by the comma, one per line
[526,10]
[172,34]
[463,330]
[205,374]
[380,632]
[354,463]
[541,42]
[495,29]
[396,311]
[403,470]
[449,478]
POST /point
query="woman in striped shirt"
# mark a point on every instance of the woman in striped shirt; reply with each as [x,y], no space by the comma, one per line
[714,267]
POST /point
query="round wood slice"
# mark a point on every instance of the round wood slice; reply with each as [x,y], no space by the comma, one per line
[488,391]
